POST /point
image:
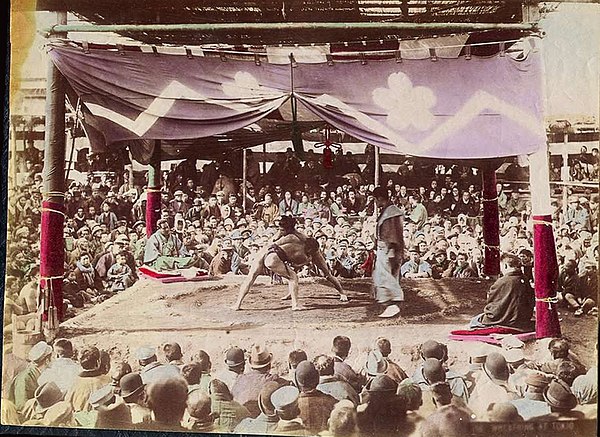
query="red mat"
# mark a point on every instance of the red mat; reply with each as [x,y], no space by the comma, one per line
[171,277]
[490,338]
[488,331]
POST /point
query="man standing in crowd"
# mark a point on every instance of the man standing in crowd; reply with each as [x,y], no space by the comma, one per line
[390,251]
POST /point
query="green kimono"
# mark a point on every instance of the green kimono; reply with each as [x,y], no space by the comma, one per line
[23,387]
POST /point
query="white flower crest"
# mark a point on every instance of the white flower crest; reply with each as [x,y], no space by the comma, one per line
[406,104]
[246,86]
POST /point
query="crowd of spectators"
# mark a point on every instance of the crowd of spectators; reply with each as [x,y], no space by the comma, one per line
[166,388]
[224,226]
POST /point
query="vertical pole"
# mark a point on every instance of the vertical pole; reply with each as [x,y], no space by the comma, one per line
[491,222]
[376,173]
[52,252]
[565,176]
[244,177]
[153,196]
[544,261]
[264,162]
[13,153]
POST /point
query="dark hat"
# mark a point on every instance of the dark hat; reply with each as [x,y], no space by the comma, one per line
[306,376]
[285,398]
[47,395]
[381,384]
[414,249]
[433,370]
[537,379]
[114,416]
[131,384]
[559,396]
[121,222]
[264,398]
[503,412]
[259,356]
[433,349]
[234,357]
[496,368]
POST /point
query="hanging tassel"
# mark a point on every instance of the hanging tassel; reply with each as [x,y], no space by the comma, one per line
[327,158]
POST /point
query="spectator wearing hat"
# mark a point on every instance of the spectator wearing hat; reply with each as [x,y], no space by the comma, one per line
[342,421]
[285,401]
[394,371]
[503,412]
[201,360]
[341,350]
[266,422]
[390,252]
[24,385]
[63,370]
[90,379]
[167,398]
[201,418]
[380,413]
[439,351]
[448,421]
[134,394]
[235,360]
[510,300]
[492,386]
[415,267]
[60,415]
[331,384]
[151,369]
[121,229]
[315,406]
[46,395]
[248,385]
[562,401]
[119,276]
[226,260]
[576,217]
[107,217]
[165,251]
[585,387]
[227,412]
[434,374]
[532,404]
[177,205]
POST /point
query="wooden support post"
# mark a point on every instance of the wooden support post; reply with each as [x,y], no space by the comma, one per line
[153,190]
[544,250]
[376,173]
[244,177]
[491,222]
[52,252]
[565,175]
[264,161]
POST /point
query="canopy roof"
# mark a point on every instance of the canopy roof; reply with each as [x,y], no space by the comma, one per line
[280,11]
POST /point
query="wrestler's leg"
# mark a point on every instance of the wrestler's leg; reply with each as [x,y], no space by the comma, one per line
[275,264]
[255,270]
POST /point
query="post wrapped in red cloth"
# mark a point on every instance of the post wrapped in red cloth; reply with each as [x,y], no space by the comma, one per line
[546,278]
[52,255]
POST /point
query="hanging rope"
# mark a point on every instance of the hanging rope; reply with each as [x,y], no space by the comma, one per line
[73,130]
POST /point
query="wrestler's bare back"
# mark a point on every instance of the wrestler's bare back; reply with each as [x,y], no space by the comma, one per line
[293,245]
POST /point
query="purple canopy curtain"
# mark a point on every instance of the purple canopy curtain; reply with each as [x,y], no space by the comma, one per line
[447,108]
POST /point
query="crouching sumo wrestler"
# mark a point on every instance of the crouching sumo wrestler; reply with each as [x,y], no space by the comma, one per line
[290,250]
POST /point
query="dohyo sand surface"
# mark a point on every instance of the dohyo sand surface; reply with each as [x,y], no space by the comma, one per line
[198,316]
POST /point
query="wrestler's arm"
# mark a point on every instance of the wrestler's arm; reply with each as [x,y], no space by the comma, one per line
[320,262]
